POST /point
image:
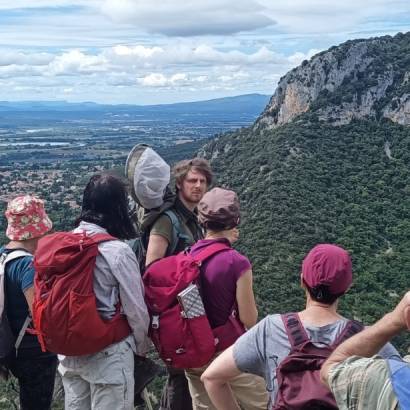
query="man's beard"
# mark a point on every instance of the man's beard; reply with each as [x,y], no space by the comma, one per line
[192,200]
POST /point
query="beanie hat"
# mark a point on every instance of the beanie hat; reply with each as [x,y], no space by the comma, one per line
[330,266]
[26,218]
[219,207]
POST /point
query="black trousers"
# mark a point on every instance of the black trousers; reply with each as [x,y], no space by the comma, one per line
[36,376]
[175,395]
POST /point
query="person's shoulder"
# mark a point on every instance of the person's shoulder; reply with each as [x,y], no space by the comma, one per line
[115,247]
[274,321]
[163,222]
[21,271]
[235,258]
[236,254]
[23,263]
[270,324]
[117,254]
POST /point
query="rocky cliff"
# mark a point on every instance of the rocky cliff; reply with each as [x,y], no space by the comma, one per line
[358,79]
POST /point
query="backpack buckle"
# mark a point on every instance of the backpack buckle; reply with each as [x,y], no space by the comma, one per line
[155,322]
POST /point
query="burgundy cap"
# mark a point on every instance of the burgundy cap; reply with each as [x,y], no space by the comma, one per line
[219,206]
[328,265]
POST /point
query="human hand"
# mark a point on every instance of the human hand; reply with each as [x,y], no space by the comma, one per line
[401,314]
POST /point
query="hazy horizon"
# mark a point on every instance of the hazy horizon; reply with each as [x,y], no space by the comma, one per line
[131,104]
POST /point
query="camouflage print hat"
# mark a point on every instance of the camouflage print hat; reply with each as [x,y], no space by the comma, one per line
[26,218]
[219,207]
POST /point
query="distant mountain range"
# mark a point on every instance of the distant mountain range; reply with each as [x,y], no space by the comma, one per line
[328,161]
[249,104]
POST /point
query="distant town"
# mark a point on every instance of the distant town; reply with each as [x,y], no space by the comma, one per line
[52,149]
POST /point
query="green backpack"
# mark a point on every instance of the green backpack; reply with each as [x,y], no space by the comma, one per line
[139,245]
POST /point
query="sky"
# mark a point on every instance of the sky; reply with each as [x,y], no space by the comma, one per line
[165,51]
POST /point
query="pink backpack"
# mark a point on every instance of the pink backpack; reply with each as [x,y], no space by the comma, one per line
[298,375]
[184,342]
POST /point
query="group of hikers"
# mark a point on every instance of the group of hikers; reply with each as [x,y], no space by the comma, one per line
[312,359]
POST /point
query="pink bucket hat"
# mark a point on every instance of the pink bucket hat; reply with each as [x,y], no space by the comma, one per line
[328,265]
[26,218]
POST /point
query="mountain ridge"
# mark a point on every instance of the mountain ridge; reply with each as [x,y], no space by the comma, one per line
[346,82]
[65,105]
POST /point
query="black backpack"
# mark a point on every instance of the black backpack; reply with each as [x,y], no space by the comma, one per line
[8,341]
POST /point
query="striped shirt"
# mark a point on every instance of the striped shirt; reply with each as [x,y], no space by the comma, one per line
[363,383]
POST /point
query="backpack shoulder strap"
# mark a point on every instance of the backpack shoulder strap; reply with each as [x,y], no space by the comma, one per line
[294,329]
[9,256]
[177,231]
[352,327]
[210,251]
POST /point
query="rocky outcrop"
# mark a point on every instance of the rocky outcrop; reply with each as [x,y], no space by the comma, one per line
[399,110]
[358,79]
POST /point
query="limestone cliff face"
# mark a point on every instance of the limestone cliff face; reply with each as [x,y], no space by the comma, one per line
[358,79]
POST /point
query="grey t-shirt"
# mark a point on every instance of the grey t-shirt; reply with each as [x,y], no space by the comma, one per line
[261,349]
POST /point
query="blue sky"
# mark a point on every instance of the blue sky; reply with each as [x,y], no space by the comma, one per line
[162,51]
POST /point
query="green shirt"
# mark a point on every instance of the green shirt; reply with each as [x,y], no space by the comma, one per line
[189,226]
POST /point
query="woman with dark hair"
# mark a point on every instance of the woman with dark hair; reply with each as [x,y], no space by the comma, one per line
[105,380]
[105,203]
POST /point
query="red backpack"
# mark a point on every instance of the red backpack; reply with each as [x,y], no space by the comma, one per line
[64,309]
[298,375]
[184,342]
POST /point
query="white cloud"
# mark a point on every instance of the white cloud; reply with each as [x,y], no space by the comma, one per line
[323,16]
[75,62]
[137,51]
[169,50]
[30,4]
[193,18]
[298,57]
[9,57]
[15,70]
[194,68]
[201,54]
[161,80]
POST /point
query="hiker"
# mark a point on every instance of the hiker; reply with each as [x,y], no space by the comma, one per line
[104,380]
[192,179]
[271,347]
[359,379]
[227,294]
[35,370]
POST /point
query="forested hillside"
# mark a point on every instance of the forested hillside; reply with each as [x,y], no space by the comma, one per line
[308,181]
